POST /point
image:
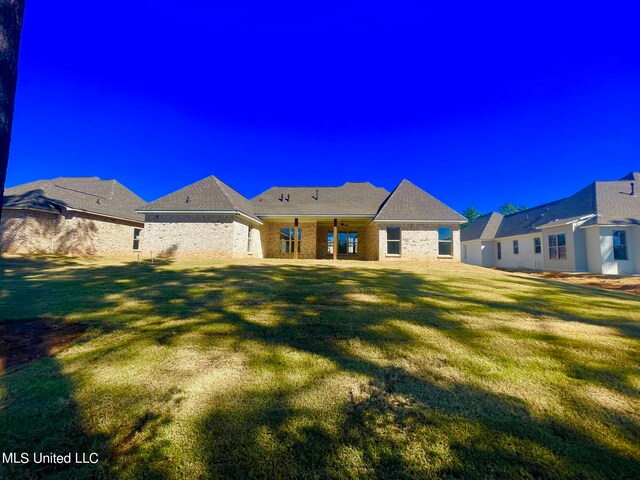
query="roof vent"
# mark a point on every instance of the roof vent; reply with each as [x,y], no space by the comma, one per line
[633,189]
[287,197]
[188,199]
[282,197]
[317,195]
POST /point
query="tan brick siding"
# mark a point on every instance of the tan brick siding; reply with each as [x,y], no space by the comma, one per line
[271,240]
[70,233]
[323,231]
[418,241]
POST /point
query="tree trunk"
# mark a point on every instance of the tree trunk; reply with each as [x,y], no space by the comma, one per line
[11,14]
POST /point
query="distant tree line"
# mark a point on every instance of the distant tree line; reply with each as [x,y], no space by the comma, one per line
[472,213]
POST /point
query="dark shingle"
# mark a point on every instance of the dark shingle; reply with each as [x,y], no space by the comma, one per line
[408,202]
[90,194]
[208,194]
[484,227]
[353,198]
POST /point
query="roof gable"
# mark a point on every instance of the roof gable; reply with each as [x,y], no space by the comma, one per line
[408,202]
[484,227]
[90,194]
[207,195]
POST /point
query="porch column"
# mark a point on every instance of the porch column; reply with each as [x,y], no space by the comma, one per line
[295,239]
[335,239]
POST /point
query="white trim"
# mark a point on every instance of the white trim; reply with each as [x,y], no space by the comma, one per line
[200,212]
[612,225]
[420,221]
[315,216]
[568,222]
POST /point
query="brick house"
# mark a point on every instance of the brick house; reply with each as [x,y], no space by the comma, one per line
[71,216]
[352,221]
[594,230]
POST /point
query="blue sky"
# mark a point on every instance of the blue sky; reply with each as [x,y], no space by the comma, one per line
[477,105]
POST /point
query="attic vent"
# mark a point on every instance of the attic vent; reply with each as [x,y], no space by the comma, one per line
[282,197]
[316,197]
[188,199]
[287,197]
[98,201]
[633,189]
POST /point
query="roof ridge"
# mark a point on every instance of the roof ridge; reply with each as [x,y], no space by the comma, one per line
[222,186]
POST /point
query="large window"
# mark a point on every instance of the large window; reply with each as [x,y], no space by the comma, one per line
[347,243]
[619,245]
[499,251]
[136,238]
[516,247]
[393,240]
[287,240]
[445,241]
[557,247]
[537,245]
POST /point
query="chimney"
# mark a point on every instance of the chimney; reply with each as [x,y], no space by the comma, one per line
[633,189]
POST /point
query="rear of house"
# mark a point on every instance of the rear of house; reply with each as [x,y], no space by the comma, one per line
[80,216]
[595,230]
[354,221]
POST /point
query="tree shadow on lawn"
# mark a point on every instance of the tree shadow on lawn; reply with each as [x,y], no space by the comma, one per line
[399,422]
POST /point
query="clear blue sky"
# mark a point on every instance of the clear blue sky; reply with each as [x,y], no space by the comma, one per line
[477,106]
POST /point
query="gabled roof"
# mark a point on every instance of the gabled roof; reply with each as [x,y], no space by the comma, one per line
[90,194]
[207,195]
[352,198]
[601,203]
[482,228]
[408,202]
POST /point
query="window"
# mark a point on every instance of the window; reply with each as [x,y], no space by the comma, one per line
[516,247]
[393,240]
[249,235]
[445,241]
[537,245]
[330,243]
[619,245]
[499,245]
[557,247]
[352,243]
[287,240]
[342,243]
[136,238]
[347,243]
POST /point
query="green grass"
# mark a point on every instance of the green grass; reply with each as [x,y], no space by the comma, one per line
[271,369]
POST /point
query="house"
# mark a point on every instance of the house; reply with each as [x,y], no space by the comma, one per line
[354,221]
[595,230]
[71,216]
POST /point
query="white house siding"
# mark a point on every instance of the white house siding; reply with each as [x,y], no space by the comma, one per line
[594,255]
[479,252]
[610,266]
[526,258]
[241,239]
[189,235]
[418,241]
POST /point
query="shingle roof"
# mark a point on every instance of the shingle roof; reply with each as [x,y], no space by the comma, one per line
[91,194]
[208,194]
[608,202]
[352,198]
[482,228]
[408,202]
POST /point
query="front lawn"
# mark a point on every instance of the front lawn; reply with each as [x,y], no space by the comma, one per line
[272,369]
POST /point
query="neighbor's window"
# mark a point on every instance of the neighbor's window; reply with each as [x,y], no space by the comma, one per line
[537,245]
[393,240]
[136,238]
[499,245]
[516,247]
[445,241]
[557,247]
[249,235]
[287,241]
[619,245]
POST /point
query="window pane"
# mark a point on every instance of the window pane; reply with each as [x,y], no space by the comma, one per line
[620,252]
[561,239]
[537,245]
[393,233]
[553,252]
[499,251]
[444,248]
[619,237]
[562,253]
[444,233]
[393,247]
[353,243]
[330,243]
[552,241]
[516,247]
[342,243]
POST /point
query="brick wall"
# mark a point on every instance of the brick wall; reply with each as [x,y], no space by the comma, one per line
[418,241]
[323,231]
[69,233]
[271,240]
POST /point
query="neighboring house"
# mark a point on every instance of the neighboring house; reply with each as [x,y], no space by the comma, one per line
[353,221]
[71,216]
[595,230]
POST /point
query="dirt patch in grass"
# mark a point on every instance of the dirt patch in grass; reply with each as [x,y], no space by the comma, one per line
[621,283]
[22,341]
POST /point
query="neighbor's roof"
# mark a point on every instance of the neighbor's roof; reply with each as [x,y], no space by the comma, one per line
[482,228]
[91,194]
[352,198]
[601,203]
[408,202]
[206,195]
